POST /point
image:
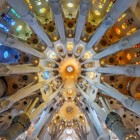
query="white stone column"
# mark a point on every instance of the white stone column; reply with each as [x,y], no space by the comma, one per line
[91,124]
[12,42]
[104,137]
[96,122]
[44,105]
[44,117]
[22,93]
[26,15]
[57,11]
[6,69]
[90,69]
[118,9]
[44,134]
[105,105]
[129,102]
[101,114]
[125,43]
[83,12]
[114,123]
[19,125]
[130,70]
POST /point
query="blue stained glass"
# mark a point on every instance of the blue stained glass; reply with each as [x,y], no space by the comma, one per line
[6,54]
[46,75]
[7,30]
[8,19]
[1,25]
[14,12]
[9,55]
[4,27]
[13,23]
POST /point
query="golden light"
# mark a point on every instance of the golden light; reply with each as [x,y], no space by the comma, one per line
[88,55]
[100,6]
[95,48]
[42,47]
[70,35]
[124,26]
[69,91]
[51,54]
[70,46]
[55,38]
[70,5]
[69,68]
[35,77]
[91,75]
[42,10]
[102,62]
[122,17]
[129,57]
[86,85]
[36,61]
[93,1]
[118,31]
[78,51]
[84,38]
[50,64]
[97,13]
[102,78]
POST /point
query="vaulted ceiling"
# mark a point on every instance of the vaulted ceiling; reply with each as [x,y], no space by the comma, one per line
[69,69]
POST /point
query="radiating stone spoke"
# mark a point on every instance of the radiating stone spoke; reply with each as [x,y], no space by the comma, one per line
[130,70]
[44,117]
[57,11]
[83,12]
[22,93]
[30,19]
[123,44]
[118,9]
[61,92]
[10,41]
[6,70]
[93,105]
[96,122]
[128,102]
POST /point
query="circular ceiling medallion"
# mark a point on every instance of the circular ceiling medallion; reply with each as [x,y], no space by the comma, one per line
[69,109]
[69,68]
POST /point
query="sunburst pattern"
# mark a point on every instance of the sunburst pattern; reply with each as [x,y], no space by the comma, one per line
[69,65]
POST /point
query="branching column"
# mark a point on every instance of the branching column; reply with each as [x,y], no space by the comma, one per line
[18,69]
[57,11]
[12,42]
[115,124]
[26,15]
[118,9]
[6,69]
[123,44]
[130,70]
[92,126]
[22,93]
[40,123]
[19,125]
[83,12]
[128,102]
[96,122]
